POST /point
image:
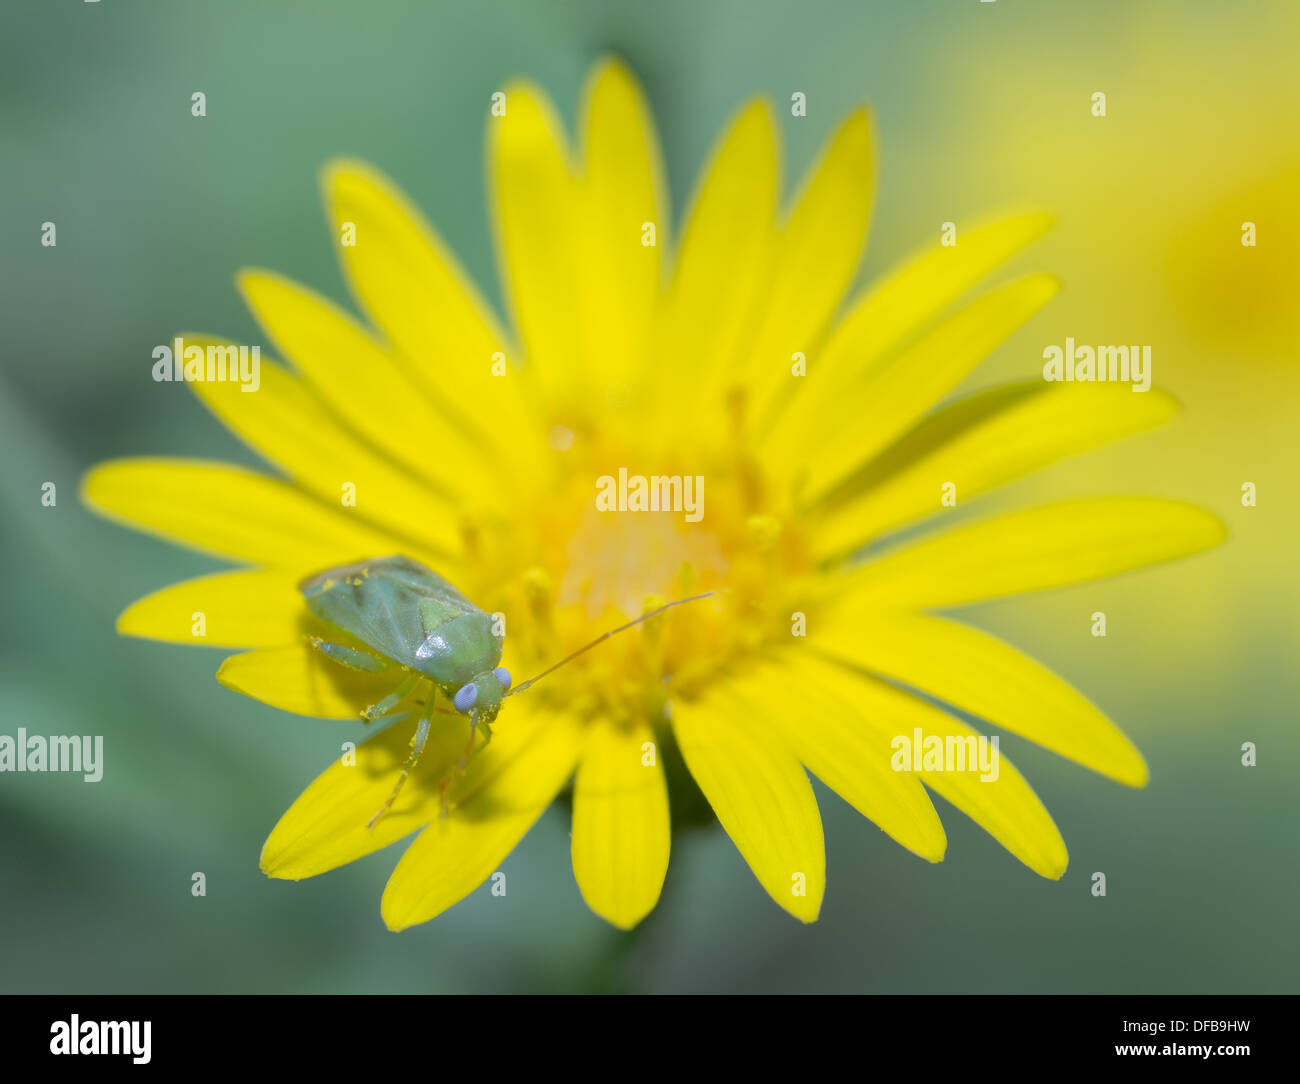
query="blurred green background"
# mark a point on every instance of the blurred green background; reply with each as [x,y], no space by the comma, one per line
[980,106]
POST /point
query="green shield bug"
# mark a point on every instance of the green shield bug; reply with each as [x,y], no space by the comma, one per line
[413,621]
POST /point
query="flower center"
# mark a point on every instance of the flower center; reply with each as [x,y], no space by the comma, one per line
[616,536]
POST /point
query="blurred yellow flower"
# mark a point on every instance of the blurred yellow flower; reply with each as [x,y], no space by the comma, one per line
[814,423]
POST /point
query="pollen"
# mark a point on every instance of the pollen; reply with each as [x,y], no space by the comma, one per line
[573,571]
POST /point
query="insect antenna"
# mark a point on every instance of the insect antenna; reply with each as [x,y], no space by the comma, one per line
[602,638]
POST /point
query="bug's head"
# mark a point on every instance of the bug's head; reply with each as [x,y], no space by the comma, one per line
[483,693]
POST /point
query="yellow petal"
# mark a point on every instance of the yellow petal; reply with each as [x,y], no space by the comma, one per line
[255,608]
[415,292]
[368,390]
[290,427]
[980,674]
[620,825]
[328,825]
[1037,427]
[816,257]
[533,195]
[1029,550]
[917,290]
[871,411]
[300,679]
[900,304]
[621,192]
[1005,807]
[762,799]
[456,854]
[826,733]
[723,263]
[894,307]
[226,510]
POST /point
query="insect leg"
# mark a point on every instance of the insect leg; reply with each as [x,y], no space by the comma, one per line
[351,657]
[417,747]
[465,758]
[387,704]
[393,717]
[473,725]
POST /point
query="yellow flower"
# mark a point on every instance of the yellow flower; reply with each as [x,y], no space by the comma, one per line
[813,423]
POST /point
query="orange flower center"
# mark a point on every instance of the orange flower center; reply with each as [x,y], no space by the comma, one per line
[616,535]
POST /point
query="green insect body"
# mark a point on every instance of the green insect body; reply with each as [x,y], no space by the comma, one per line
[415,619]
[411,619]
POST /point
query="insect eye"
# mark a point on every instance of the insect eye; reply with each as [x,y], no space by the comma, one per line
[465,697]
[503,676]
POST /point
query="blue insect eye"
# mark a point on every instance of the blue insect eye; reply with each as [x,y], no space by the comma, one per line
[503,676]
[465,697]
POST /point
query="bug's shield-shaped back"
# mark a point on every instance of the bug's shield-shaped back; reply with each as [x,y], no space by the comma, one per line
[407,613]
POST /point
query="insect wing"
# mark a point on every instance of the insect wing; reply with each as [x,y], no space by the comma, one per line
[390,604]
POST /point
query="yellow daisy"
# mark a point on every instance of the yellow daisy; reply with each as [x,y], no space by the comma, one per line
[812,418]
